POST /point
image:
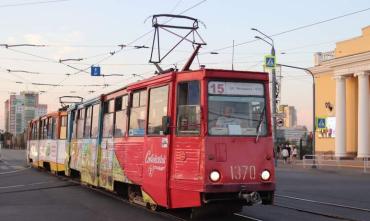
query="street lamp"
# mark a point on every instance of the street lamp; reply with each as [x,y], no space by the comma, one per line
[266,36]
[273,88]
[313,108]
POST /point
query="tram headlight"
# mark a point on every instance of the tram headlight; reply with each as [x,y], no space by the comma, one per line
[214,176]
[265,175]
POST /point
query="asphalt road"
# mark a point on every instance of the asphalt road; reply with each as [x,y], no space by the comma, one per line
[302,194]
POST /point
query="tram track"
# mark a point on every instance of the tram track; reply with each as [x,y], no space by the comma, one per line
[324,203]
[167,214]
[71,182]
[181,217]
[318,213]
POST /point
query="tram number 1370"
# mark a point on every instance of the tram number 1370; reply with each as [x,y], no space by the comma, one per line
[242,172]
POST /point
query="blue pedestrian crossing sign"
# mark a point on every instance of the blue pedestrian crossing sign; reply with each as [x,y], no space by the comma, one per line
[95,70]
[270,61]
[321,123]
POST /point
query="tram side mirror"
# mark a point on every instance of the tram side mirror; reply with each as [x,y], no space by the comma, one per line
[166,125]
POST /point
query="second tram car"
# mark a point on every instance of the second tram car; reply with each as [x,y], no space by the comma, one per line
[176,140]
[47,141]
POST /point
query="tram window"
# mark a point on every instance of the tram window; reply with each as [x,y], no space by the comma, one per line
[236,112]
[37,130]
[80,123]
[54,128]
[87,129]
[63,128]
[138,113]
[41,129]
[108,118]
[121,116]
[50,128]
[31,132]
[73,118]
[95,121]
[158,101]
[45,129]
[37,134]
[188,108]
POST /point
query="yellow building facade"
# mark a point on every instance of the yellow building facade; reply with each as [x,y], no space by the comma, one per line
[343,98]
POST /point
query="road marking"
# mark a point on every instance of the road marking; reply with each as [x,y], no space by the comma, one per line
[15,171]
[324,203]
[24,185]
[248,217]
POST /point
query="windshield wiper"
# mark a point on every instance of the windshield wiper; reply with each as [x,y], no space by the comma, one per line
[258,129]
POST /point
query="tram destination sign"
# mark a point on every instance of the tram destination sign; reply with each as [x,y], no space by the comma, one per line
[235,88]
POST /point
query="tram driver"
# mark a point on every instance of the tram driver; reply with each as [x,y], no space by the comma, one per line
[228,118]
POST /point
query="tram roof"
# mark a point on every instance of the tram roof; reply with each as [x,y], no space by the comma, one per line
[203,72]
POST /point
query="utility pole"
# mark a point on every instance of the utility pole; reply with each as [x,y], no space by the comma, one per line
[273,88]
[313,108]
[273,99]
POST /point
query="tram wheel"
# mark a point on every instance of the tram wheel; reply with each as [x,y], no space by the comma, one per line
[152,206]
[131,194]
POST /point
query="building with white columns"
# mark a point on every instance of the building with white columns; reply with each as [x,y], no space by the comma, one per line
[343,98]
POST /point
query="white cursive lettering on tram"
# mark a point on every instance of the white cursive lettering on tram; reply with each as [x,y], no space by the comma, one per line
[155,159]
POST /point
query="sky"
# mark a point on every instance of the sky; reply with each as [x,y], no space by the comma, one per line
[89,32]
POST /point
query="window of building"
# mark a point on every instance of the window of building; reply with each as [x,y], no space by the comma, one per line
[108,118]
[80,123]
[188,108]
[87,129]
[95,121]
[158,101]
[121,116]
[63,128]
[138,113]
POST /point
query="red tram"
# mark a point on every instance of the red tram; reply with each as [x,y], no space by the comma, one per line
[177,140]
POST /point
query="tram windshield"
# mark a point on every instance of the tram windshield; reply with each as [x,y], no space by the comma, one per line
[236,109]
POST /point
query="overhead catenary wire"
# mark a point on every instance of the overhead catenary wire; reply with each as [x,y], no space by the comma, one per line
[110,53]
[132,42]
[217,50]
[297,28]
[32,3]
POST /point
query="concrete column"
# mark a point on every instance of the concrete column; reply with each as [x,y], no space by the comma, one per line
[363,115]
[340,129]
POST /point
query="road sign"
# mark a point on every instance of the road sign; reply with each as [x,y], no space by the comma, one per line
[270,61]
[321,123]
[95,71]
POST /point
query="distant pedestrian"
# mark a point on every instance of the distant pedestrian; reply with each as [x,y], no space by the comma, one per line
[294,153]
[278,151]
[285,155]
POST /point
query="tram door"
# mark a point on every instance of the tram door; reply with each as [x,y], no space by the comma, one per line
[156,148]
[186,173]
